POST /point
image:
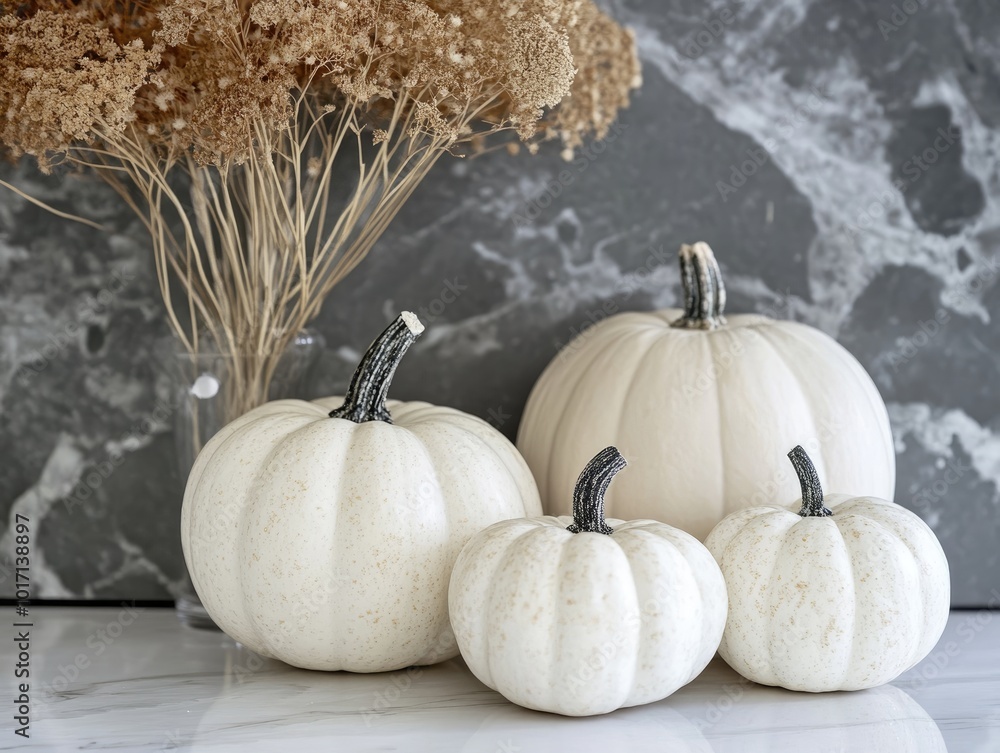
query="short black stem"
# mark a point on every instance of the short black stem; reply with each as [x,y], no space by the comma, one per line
[365,399]
[704,291]
[588,496]
[812,491]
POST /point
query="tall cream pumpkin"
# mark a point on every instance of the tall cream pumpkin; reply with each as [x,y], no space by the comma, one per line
[702,404]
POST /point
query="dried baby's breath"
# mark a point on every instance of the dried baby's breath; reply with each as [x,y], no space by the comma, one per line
[228,69]
[253,101]
[65,79]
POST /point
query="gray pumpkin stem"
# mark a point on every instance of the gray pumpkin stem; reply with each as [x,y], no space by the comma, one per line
[588,495]
[365,399]
[704,291]
[812,491]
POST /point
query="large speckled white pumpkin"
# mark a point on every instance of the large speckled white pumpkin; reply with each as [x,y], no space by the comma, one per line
[326,538]
[581,616]
[830,593]
[701,404]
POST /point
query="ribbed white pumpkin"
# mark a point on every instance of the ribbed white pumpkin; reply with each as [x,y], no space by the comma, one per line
[831,593]
[701,405]
[570,616]
[326,539]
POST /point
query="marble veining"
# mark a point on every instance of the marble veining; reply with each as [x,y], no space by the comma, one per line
[129,679]
[843,160]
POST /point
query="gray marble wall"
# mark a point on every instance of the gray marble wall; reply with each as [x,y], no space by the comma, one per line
[843,158]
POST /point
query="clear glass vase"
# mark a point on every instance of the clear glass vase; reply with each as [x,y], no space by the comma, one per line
[210,390]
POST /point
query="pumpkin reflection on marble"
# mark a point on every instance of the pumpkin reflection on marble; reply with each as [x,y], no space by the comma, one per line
[661,730]
[881,720]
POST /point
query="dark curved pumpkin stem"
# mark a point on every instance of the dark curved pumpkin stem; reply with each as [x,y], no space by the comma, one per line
[704,291]
[365,399]
[588,496]
[812,491]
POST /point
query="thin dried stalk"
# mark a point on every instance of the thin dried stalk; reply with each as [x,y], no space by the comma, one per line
[248,243]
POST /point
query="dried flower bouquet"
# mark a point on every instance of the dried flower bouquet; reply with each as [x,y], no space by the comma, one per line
[220,121]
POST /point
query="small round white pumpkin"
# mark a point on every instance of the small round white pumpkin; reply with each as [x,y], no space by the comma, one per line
[326,538]
[830,593]
[581,616]
[701,404]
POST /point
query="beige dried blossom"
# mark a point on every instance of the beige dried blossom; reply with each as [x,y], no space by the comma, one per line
[253,101]
[231,69]
[65,79]
[607,70]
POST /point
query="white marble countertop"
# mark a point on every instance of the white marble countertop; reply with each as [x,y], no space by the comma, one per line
[108,679]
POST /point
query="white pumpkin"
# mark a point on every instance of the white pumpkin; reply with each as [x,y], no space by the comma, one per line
[581,616]
[701,405]
[831,593]
[326,538]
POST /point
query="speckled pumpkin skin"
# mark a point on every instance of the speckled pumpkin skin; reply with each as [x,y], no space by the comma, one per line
[328,544]
[844,602]
[585,623]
